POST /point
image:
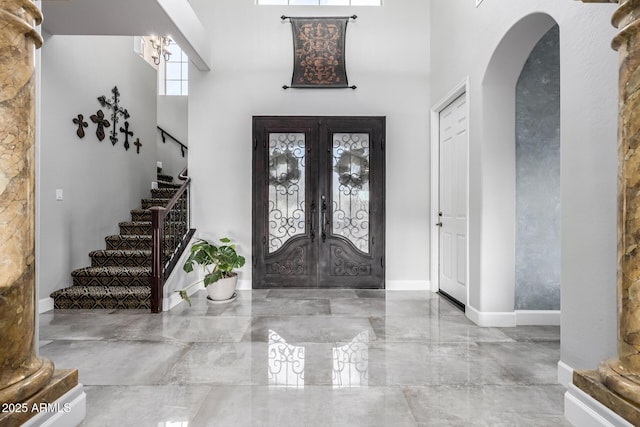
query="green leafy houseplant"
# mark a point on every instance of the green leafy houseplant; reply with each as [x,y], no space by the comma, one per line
[217,262]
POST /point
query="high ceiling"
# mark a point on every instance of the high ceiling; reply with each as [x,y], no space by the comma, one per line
[174,18]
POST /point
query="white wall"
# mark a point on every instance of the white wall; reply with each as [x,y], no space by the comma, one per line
[101,183]
[173,118]
[387,58]
[464,39]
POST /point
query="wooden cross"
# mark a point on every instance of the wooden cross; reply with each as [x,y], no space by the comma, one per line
[98,118]
[81,125]
[127,134]
[114,105]
[138,144]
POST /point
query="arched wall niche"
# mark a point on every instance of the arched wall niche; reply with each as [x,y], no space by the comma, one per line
[494,292]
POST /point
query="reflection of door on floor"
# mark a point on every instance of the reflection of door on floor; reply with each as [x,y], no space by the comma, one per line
[453,200]
[318,202]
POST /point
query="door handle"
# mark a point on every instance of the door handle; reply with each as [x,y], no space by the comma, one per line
[439,224]
[312,221]
[324,219]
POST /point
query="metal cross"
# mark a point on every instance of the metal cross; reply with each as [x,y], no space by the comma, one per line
[98,118]
[138,144]
[127,134]
[81,125]
[114,105]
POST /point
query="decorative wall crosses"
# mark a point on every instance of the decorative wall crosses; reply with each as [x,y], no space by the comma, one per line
[98,118]
[101,122]
[114,105]
[127,134]
[81,125]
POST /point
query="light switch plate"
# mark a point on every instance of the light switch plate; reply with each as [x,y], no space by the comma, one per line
[59,194]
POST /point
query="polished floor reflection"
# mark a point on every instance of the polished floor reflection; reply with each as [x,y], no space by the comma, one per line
[307,358]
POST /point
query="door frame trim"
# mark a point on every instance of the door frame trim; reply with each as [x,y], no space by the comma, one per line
[458,90]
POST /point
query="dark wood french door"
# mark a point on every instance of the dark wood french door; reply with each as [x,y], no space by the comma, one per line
[318,202]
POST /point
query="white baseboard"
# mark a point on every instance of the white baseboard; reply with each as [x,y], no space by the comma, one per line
[507,319]
[491,319]
[408,285]
[72,410]
[584,411]
[565,374]
[174,298]
[538,317]
[44,305]
[244,285]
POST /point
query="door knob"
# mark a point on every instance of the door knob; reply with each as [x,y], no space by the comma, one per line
[438,224]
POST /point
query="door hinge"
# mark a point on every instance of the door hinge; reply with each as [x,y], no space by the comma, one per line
[255,261]
[264,241]
[382,262]
[255,143]
[382,144]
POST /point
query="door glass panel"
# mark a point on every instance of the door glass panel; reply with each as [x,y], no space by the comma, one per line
[350,182]
[286,188]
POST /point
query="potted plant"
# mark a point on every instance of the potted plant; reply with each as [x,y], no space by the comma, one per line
[217,263]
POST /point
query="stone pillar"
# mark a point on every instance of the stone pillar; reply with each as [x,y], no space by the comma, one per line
[22,374]
[620,377]
[623,374]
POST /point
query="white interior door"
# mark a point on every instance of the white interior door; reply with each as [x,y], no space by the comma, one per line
[453,141]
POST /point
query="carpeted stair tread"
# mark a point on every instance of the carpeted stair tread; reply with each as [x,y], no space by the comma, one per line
[112,271]
[131,242]
[127,242]
[135,227]
[163,193]
[147,203]
[112,276]
[165,177]
[108,297]
[131,223]
[124,258]
[163,184]
[141,215]
[116,253]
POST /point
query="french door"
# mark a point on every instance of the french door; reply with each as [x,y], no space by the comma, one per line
[318,202]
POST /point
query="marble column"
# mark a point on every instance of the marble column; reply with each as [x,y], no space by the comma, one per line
[22,374]
[620,377]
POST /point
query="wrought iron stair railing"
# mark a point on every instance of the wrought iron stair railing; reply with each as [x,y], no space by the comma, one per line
[171,233]
[164,134]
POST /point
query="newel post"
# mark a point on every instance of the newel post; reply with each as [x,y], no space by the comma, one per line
[157,273]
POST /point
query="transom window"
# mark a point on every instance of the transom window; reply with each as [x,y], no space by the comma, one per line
[320,2]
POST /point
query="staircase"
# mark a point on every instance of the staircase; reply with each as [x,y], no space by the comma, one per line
[120,275]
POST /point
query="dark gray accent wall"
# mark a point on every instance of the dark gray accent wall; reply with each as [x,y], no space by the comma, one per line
[538,178]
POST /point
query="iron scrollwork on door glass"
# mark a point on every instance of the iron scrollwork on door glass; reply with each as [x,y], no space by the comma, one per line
[286,188]
[351,188]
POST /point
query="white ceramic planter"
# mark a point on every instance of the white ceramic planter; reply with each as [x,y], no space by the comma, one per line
[223,289]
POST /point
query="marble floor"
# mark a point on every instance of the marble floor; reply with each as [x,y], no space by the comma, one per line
[307,358]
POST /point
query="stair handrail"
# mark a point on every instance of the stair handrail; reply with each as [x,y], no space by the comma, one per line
[163,133]
[161,268]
